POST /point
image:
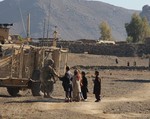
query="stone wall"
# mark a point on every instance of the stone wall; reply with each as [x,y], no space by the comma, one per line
[121,50]
[140,68]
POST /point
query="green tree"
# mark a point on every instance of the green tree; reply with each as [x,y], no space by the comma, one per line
[138,29]
[145,29]
[129,39]
[105,31]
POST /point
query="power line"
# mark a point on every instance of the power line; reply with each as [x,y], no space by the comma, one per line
[20,11]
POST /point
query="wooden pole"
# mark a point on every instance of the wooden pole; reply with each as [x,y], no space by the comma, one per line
[55,37]
[28,26]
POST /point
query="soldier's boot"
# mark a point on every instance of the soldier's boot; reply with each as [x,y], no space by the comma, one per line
[48,95]
[45,94]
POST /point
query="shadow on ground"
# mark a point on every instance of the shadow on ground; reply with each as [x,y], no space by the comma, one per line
[134,81]
[51,100]
[8,96]
[5,96]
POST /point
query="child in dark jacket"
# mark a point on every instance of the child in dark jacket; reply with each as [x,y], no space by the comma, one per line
[97,87]
[84,85]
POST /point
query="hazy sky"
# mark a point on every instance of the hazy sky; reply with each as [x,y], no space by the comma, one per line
[129,4]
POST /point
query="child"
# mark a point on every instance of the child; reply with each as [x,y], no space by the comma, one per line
[97,87]
[84,85]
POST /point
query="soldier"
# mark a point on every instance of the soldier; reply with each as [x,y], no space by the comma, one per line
[47,74]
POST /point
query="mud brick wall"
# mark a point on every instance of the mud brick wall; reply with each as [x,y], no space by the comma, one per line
[101,49]
[121,50]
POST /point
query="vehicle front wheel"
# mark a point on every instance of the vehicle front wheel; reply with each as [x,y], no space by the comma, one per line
[13,91]
[35,86]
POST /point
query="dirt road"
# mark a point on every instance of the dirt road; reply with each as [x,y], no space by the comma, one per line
[125,95]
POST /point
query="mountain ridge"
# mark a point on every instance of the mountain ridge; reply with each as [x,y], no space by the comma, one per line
[75,19]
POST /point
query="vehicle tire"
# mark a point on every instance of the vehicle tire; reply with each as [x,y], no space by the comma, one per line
[13,91]
[35,86]
[2,42]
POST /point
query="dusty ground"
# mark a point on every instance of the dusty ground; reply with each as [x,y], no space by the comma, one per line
[125,95]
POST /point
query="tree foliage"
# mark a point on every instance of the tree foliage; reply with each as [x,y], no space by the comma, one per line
[145,29]
[105,31]
[138,29]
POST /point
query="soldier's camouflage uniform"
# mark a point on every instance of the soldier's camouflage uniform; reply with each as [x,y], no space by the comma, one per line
[47,74]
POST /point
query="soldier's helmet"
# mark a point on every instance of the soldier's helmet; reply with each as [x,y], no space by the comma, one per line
[49,62]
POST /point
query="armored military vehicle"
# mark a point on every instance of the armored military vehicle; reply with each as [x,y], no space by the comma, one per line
[21,68]
[20,65]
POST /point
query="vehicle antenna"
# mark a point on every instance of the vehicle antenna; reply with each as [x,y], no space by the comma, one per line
[20,11]
[48,19]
